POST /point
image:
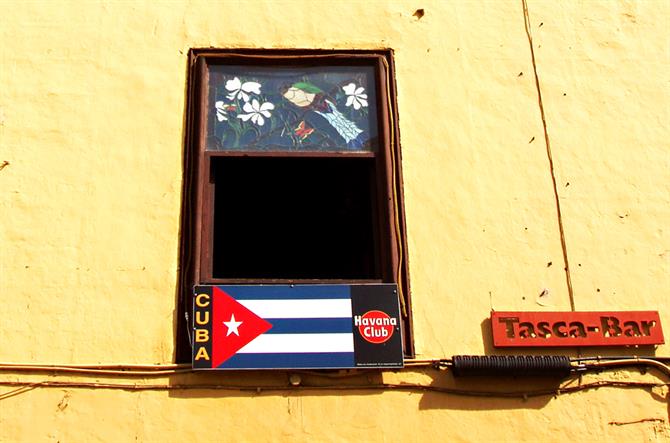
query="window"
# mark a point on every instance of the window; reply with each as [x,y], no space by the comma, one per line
[291,173]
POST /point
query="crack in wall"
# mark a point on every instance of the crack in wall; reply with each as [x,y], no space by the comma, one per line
[568,280]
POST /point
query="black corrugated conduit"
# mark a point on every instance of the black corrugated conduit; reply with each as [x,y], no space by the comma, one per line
[511,365]
[544,365]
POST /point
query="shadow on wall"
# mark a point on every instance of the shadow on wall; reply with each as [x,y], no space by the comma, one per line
[443,391]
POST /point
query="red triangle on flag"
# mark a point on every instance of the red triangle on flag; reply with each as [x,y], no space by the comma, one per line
[233,326]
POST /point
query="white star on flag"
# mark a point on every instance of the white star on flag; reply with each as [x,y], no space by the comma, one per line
[232,326]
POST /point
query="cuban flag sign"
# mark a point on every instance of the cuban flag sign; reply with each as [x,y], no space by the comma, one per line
[296,327]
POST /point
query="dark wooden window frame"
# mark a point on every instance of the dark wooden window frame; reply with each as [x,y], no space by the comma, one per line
[196,239]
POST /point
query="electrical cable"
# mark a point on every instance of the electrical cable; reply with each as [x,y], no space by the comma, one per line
[103,366]
[413,387]
[90,371]
[157,369]
[665,369]
[19,390]
[515,363]
[618,357]
[495,363]
[394,190]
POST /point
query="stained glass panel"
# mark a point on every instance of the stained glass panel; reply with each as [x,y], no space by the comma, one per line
[281,108]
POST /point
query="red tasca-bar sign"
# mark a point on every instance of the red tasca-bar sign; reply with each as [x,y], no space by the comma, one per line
[537,329]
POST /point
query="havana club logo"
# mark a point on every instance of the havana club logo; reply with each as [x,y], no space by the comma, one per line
[375,326]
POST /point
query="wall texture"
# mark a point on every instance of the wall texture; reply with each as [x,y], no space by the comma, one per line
[91,139]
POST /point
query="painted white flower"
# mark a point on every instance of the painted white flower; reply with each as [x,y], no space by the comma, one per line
[355,96]
[221,111]
[255,111]
[241,90]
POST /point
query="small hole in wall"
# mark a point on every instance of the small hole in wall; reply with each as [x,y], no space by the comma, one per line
[419,13]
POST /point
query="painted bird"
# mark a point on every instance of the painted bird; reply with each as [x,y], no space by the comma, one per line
[304,95]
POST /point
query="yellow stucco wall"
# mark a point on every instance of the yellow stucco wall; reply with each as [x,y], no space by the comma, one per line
[92,100]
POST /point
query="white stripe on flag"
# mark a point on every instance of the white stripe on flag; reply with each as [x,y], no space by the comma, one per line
[320,308]
[299,343]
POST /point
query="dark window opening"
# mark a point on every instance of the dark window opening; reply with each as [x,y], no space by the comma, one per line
[294,218]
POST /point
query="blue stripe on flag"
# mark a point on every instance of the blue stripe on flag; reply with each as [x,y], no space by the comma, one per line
[309,325]
[290,361]
[286,292]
